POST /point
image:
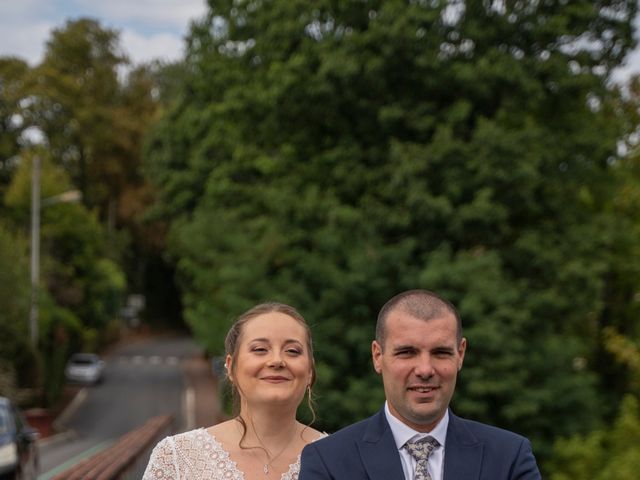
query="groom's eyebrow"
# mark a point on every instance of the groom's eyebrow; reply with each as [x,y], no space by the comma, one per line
[399,348]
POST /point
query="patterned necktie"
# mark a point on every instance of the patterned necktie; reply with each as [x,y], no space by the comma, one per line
[421,450]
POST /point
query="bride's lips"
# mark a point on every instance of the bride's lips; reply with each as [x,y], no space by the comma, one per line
[275,379]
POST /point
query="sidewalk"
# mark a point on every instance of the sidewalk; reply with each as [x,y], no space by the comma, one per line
[43,419]
[207,409]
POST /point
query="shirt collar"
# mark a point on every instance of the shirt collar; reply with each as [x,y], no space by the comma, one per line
[402,433]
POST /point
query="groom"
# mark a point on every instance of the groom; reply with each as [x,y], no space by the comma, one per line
[419,350]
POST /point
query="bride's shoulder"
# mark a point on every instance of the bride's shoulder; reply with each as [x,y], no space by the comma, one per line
[225,433]
[223,429]
[311,434]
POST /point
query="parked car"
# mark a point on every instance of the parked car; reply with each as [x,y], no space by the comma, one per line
[18,447]
[84,368]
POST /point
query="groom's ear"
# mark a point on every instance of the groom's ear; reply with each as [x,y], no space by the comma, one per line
[376,356]
[462,348]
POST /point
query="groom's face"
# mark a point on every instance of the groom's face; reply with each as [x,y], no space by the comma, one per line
[419,364]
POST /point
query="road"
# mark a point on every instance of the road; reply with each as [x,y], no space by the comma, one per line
[142,379]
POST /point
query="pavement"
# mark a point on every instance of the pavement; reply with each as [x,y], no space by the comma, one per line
[205,409]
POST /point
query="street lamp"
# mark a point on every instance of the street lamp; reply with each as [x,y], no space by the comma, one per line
[35,137]
[64,197]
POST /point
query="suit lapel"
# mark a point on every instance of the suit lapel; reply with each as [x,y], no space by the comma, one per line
[463,452]
[378,450]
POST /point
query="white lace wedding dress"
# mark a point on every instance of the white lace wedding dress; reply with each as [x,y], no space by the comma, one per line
[197,455]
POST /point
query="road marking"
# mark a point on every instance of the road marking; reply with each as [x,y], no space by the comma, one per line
[190,408]
[138,359]
[151,360]
[59,423]
[173,360]
[72,461]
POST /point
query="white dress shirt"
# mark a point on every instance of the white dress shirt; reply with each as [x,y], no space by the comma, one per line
[402,433]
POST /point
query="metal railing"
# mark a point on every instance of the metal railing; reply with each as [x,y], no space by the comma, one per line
[125,459]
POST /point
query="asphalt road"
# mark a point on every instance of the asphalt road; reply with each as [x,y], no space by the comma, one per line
[142,379]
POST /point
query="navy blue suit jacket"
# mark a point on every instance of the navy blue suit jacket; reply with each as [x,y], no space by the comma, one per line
[367,450]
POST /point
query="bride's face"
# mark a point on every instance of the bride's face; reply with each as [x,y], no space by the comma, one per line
[273,363]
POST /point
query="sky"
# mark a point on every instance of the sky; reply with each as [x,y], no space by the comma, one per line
[149,29]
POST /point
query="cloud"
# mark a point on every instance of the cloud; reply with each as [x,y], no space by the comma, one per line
[26,41]
[149,29]
[142,48]
[24,8]
[153,14]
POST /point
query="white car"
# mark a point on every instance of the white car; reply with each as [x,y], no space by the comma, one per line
[84,368]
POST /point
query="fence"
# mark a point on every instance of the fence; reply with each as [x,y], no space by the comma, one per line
[126,459]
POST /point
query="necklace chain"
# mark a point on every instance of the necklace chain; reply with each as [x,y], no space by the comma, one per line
[270,459]
[265,467]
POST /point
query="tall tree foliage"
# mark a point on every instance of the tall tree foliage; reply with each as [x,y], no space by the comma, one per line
[18,361]
[13,73]
[94,122]
[95,109]
[76,270]
[94,115]
[75,99]
[610,452]
[331,155]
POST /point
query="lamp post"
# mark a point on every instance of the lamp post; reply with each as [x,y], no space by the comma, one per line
[35,249]
[35,137]
[36,206]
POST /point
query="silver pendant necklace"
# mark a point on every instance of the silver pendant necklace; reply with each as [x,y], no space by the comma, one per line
[270,460]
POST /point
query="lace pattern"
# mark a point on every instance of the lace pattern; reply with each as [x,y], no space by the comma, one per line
[198,455]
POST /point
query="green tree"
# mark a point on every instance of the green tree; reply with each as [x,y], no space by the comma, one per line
[80,286]
[18,361]
[13,73]
[95,109]
[94,122]
[76,269]
[610,452]
[75,92]
[335,154]
[603,454]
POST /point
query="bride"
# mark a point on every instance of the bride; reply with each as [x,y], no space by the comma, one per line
[269,362]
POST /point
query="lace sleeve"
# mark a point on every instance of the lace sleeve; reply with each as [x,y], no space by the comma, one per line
[162,464]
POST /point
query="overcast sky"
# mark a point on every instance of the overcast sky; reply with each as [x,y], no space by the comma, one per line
[149,29]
